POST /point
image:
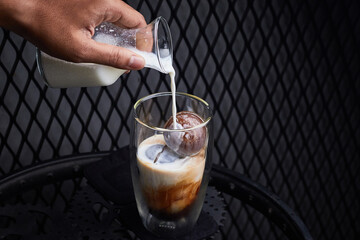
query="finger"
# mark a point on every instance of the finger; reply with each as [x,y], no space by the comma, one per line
[125,16]
[145,39]
[114,56]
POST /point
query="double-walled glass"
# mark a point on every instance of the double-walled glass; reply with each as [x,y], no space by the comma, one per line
[169,188]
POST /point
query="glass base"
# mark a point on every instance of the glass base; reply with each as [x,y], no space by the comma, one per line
[169,229]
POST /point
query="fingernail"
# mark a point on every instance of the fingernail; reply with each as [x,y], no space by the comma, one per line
[136,62]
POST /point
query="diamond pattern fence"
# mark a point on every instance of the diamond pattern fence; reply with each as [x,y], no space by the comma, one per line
[281,76]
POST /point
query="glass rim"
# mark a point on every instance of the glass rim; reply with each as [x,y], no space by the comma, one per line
[161,94]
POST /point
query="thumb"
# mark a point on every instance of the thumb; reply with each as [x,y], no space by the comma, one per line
[114,56]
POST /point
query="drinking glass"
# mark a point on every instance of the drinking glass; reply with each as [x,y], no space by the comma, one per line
[169,188]
[152,42]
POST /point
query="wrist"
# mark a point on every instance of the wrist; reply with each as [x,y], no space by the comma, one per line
[15,14]
[8,10]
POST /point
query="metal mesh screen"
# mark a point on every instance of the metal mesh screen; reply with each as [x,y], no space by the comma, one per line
[283,80]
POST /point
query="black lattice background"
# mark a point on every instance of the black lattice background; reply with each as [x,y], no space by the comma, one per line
[283,80]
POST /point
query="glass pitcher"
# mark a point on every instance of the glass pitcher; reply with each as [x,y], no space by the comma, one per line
[152,42]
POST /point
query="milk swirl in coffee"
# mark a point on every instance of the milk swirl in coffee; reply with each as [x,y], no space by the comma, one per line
[169,186]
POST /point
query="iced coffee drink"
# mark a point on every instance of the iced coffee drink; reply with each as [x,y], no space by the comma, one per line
[170,164]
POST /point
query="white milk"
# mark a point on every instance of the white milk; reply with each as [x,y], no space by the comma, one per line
[62,74]
[173,91]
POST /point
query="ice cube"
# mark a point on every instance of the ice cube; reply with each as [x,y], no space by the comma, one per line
[167,156]
[153,150]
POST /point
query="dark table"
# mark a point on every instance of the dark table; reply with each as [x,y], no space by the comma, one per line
[56,200]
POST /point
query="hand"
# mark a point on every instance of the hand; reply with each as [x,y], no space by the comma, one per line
[63,28]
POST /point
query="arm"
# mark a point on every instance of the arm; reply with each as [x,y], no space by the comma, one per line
[63,28]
